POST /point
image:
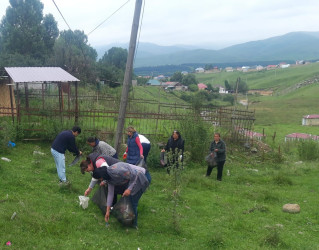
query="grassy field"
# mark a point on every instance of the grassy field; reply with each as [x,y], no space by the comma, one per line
[244,211]
[282,113]
[277,79]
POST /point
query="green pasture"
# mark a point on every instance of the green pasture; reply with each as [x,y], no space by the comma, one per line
[276,79]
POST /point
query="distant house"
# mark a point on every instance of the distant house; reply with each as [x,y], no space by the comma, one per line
[221,89]
[202,86]
[283,66]
[229,69]
[245,68]
[153,82]
[300,136]
[199,70]
[160,77]
[184,73]
[173,86]
[259,67]
[310,120]
[269,67]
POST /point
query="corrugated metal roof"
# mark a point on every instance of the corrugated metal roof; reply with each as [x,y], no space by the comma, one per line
[39,74]
[311,116]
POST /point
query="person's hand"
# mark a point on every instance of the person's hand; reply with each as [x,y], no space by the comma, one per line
[80,152]
[216,150]
[127,192]
[142,156]
[107,216]
[163,150]
[124,156]
[102,183]
[87,192]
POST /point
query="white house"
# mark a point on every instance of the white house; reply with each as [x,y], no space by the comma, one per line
[310,120]
[199,70]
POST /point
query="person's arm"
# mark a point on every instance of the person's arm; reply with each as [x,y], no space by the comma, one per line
[133,179]
[222,147]
[110,196]
[91,186]
[138,142]
[72,147]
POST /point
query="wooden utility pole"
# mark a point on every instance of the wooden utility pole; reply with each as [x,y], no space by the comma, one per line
[128,75]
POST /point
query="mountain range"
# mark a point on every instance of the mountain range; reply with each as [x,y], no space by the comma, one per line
[289,47]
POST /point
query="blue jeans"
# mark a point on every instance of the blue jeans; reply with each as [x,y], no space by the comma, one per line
[59,163]
[135,198]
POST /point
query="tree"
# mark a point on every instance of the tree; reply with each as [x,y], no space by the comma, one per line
[73,53]
[242,86]
[177,77]
[193,87]
[189,79]
[112,65]
[227,86]
[115,56]
[24,31]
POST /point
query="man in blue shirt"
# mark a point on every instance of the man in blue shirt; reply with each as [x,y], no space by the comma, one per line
[64,141]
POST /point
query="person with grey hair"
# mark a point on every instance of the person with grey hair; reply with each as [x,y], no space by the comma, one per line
[101,147]
[136,178]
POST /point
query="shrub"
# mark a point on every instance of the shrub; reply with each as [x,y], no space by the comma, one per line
[308,150]
[197,138]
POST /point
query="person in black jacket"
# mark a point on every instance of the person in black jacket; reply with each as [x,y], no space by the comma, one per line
[64,141]
[218,151]
[175,145]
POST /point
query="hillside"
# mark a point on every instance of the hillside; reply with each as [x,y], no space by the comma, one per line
[295,95]
[289,47]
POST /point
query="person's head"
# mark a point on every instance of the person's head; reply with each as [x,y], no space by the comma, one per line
[130,131]
[217,137]
[76,130]
[86,166]
[176,134]
[91,141]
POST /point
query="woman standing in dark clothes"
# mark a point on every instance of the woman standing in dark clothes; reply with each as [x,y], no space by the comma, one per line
[218,151]
[175,145]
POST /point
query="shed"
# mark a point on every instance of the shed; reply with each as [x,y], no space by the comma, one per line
[310,120]
[300,136]
[202,86]
[39,76]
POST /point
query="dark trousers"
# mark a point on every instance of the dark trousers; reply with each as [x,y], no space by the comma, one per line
[220,167]
[146,150]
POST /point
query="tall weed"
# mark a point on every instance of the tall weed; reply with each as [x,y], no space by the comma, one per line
[308,150]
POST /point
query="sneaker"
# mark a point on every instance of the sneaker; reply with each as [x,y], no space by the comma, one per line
[64,183]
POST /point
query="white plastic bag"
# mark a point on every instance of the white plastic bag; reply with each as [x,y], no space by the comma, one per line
[84,201]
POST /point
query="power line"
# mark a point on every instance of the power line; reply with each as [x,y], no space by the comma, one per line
[108,18]
[61,15]
[139,32]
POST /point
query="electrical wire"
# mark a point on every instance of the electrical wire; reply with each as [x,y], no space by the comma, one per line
[61,15]
[108,18]
[139,31]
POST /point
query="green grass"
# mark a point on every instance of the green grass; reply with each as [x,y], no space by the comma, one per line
[278,79]
[241,212]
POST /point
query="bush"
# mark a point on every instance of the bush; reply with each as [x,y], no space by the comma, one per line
[197,138]
[308,150]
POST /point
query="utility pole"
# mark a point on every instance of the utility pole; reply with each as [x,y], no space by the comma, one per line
[128,75]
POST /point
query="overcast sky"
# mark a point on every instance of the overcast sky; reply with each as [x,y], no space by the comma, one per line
[218,23]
